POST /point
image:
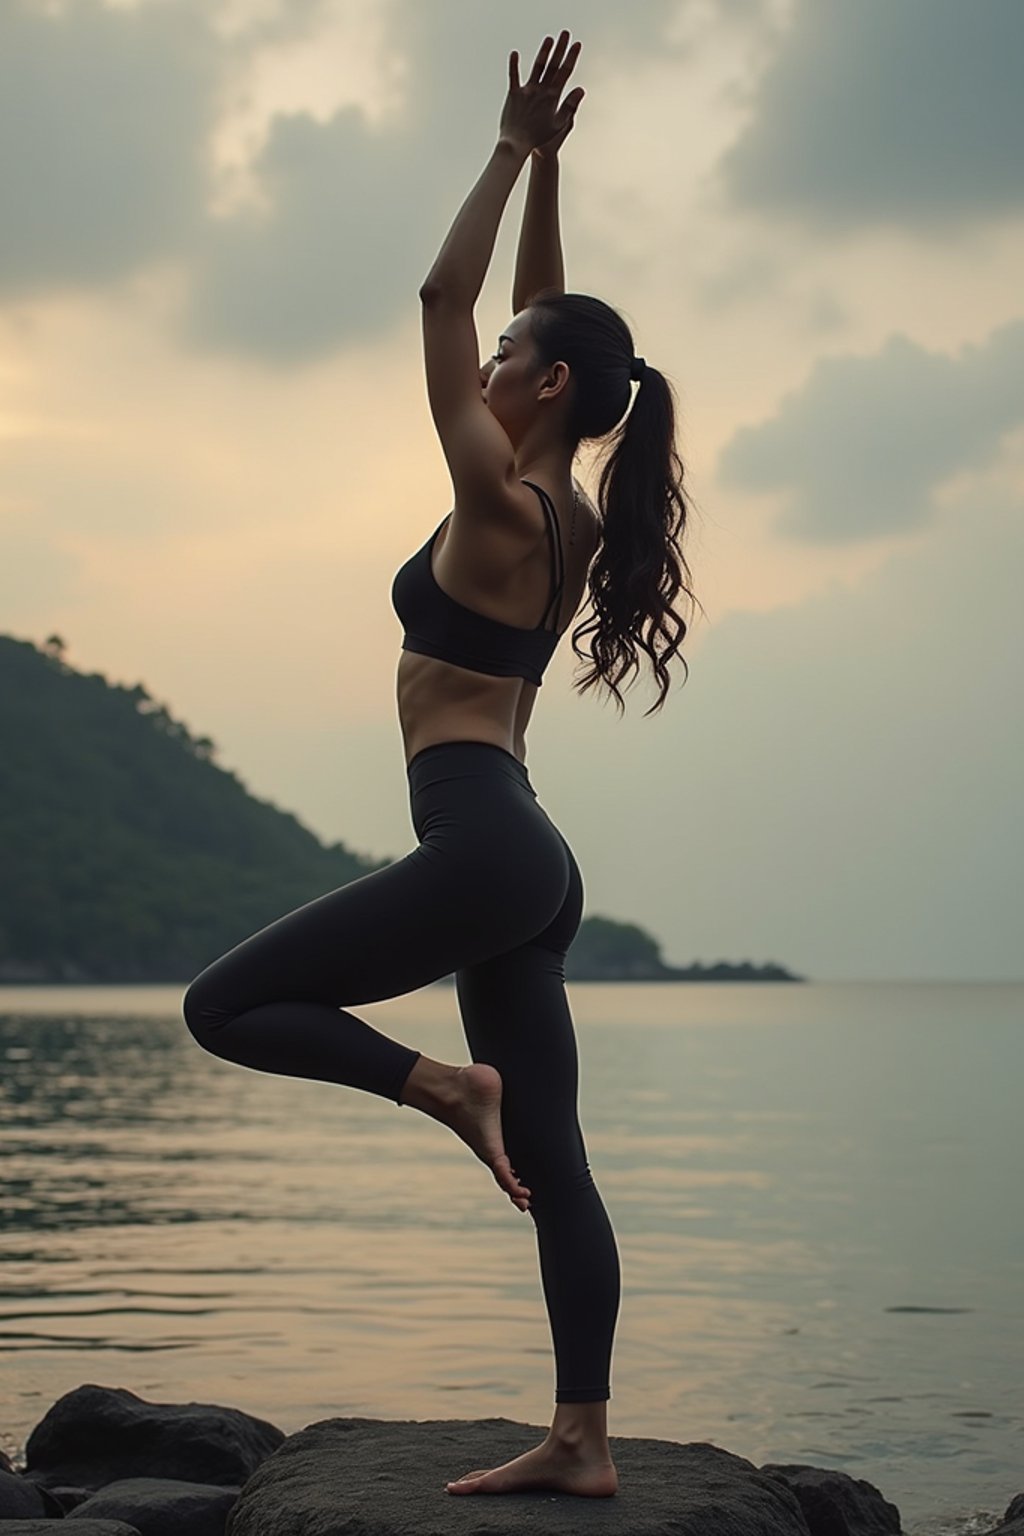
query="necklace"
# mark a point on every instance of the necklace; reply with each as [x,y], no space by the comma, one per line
[575,504]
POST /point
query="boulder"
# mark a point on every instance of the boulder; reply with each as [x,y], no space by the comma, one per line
[65,1495]
[160,1506]
[1012,1523]
[20,1499]
[835,1504]
[95,1435]
[371,1477]
[83,1528]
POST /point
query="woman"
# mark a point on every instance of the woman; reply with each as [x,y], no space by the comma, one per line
[492,892]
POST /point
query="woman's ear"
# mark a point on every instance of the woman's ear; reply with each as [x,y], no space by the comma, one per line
[558,375]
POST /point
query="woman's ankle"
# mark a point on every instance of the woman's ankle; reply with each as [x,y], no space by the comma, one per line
[580,1425]
[431,1087]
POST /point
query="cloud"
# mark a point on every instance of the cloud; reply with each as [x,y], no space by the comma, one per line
[865,817]
[107,120]
[865,443]
[355,215]
[837,786]
[104,120]
[908,115]
[332,261]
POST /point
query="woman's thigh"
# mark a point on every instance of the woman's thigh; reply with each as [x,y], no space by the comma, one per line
[489,872]
[516,1017]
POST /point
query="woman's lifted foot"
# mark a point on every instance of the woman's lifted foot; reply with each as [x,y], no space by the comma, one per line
[564,1469]
[468,1099]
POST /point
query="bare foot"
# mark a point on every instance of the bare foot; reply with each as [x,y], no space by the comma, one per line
[564,1469]
[476,1118]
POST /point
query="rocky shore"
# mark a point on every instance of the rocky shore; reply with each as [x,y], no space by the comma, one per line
[118,1465]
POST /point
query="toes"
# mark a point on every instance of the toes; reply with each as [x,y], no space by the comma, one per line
[508,1175]
[467,1478]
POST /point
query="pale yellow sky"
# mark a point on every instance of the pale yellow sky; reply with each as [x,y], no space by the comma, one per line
[215,448]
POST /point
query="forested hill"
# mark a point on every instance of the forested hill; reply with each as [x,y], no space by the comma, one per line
[126,853]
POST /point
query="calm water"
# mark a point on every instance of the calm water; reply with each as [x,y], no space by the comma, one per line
[815,1189]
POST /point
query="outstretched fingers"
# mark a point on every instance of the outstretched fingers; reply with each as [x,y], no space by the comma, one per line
[561,63]
[551,70]
[568,63]
[541,59]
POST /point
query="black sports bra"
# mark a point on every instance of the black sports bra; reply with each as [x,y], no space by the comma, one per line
[436,625]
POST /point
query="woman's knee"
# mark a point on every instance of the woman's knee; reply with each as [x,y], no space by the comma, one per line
[203,1013]
[558,1173]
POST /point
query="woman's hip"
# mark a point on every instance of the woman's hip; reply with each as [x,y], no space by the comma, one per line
[472,805]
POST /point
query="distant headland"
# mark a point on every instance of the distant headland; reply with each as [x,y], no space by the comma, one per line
[131,856]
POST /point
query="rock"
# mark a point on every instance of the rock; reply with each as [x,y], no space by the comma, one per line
[94,1436]
[372,1477]
[1012,1523]
[83,1528]
[67,1497]
[160,1506]
[835,1504]
[22,1500]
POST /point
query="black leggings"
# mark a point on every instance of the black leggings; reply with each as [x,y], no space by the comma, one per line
[494,894]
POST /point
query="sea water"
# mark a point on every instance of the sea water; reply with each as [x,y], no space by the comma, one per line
[815,1190]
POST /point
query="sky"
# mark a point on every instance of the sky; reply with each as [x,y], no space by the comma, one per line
[216,448]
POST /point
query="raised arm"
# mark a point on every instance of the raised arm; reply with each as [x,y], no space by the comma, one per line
[539,262]
[476,445]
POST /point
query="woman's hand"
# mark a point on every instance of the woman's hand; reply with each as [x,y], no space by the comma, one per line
[531,117]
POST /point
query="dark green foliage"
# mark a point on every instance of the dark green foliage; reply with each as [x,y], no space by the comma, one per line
[608,951]
[126,853]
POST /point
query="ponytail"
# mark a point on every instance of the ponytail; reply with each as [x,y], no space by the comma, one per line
[638,570]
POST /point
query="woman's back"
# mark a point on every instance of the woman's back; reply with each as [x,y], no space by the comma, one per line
[503,575]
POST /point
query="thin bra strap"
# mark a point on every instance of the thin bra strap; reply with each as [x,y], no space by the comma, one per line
[551,520]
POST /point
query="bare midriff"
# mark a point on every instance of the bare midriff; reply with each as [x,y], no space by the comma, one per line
[441,702]
[438,701]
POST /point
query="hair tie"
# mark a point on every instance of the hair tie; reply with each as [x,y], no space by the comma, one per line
[637,368]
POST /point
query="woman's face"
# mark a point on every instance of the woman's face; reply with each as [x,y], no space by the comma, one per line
[504,376]
[511,378]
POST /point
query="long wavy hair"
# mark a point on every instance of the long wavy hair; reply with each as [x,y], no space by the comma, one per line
[638,569]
